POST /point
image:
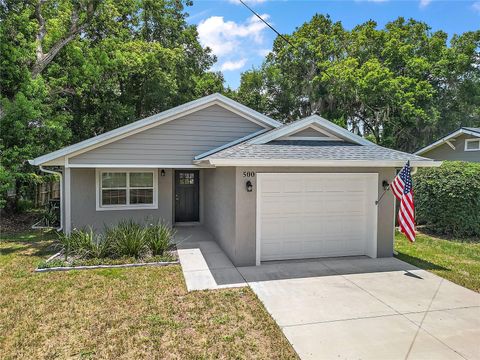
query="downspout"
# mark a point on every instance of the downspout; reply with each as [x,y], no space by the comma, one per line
[60,228]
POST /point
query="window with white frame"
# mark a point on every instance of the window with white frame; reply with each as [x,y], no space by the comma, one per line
[126,189]
[472,145]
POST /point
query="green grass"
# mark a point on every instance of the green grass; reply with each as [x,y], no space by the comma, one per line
[455,260]
[123,313]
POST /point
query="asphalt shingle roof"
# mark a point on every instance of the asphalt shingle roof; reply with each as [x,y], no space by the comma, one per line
[473,129]
[309,150]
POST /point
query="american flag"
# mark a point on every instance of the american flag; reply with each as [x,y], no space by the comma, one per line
[403,190]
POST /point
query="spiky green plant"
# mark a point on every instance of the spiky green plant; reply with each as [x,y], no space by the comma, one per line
[127,239]
[159,237]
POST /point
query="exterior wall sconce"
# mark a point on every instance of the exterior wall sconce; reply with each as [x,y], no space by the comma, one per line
[162,173]
[249,186]
[385,185]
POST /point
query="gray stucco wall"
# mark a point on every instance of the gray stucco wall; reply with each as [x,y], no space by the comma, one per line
[445,152]
[219,205]
[229,211]
[244,243]
[83,209]
[176,142]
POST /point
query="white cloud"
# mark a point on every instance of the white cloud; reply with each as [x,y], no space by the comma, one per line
[476,6]
[264,52]
[233,65]
[237,44]
[224,37]
[425,3]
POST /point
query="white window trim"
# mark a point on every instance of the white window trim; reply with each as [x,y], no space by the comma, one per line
[472,140]
[98,189]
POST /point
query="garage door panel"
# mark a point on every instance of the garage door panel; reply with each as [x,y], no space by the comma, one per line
[314,215]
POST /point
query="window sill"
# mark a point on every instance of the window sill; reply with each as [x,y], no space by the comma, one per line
[127,207]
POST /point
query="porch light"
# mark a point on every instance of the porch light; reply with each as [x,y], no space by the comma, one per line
[249,186]
[385,185]
[162,173]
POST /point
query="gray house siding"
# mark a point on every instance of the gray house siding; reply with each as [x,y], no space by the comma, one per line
[219,204]
[445,152]
[176,142]
[83,198]
[246,209]
[309,132]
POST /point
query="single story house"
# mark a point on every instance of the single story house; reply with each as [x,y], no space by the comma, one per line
[462,145]
[263,189]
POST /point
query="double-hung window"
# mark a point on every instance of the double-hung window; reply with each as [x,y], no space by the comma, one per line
[126,189]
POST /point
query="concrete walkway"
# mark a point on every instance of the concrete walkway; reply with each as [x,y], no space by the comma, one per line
[362,308]
[347,308]
[204,264]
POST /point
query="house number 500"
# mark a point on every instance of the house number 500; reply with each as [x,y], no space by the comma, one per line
[249,174]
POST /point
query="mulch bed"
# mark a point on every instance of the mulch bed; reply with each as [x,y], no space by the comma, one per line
[17,223]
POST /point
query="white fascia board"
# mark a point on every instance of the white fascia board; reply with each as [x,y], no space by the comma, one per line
[320,163]
[314,119]
[445,139]
[156,120]
[139,166]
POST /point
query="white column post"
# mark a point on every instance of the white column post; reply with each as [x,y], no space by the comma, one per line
[68,214]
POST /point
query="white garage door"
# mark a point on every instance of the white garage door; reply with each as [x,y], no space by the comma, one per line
[316,215]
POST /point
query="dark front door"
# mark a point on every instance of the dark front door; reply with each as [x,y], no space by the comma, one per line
[186,195]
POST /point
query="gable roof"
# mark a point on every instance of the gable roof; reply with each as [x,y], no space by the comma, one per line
[156,120]
[311,120]
[276,148]
[463,130]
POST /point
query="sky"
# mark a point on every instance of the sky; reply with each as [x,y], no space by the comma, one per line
[240,41]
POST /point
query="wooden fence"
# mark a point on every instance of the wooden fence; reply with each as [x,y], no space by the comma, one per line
[45,192]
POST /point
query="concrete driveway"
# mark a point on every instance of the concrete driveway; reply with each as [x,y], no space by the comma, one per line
[362,308]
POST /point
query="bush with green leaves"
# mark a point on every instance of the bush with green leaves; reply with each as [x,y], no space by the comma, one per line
[447,198]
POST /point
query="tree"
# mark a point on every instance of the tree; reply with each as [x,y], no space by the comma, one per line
[401,86]
[72,69]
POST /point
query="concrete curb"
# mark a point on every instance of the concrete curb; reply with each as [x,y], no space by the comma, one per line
[90,267]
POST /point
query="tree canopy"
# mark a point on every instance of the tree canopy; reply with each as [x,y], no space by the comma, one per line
[72,69]
[401,86]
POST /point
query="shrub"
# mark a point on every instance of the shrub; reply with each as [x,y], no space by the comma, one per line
[127,239]
[78,242]
[159,238]
[447,199]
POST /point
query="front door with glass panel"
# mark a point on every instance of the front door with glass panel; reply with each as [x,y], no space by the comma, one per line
[186,195]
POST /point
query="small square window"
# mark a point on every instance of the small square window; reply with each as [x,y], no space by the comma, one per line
[186,179]
[114,197]
[472,145]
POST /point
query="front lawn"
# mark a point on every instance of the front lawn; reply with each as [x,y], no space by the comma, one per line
[123,313]
[454,260]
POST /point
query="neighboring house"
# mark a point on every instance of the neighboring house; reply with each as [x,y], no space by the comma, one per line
[265,191]
[462,144]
